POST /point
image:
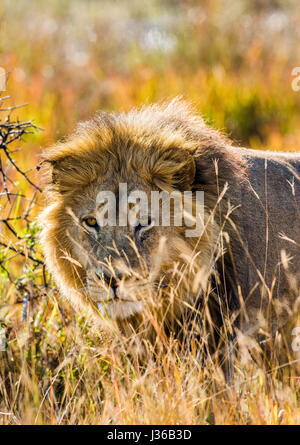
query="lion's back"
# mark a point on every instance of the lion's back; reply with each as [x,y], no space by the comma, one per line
[268,221]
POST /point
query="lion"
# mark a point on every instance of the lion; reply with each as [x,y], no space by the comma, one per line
[151,278]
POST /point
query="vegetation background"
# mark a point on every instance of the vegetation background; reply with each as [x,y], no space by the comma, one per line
[66,59]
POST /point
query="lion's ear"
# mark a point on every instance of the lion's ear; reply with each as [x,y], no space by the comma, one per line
[176,168]
[47,168]
[67,173]
[50,173]
[58,174]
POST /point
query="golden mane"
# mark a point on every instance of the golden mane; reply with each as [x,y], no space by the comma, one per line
[158,141]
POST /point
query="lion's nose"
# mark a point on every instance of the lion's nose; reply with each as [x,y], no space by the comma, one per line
[112,280]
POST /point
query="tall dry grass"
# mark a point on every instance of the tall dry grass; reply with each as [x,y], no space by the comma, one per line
[57,370]
[67,59]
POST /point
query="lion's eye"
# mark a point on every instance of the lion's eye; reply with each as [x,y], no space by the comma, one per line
[91,222]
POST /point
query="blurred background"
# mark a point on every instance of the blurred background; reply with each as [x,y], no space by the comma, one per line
[232,58]
[66,59]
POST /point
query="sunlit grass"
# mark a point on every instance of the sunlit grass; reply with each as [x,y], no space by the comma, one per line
[57,371]
[68,59]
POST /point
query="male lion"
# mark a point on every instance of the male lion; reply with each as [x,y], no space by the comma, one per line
[148,277]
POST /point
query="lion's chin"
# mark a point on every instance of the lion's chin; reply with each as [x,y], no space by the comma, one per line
[120,310]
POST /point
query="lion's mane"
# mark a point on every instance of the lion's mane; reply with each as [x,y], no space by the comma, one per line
[170,146]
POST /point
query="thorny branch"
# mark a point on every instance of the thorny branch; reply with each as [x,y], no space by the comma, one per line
[17,231]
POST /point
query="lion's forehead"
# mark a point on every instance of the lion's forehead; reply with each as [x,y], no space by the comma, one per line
[89,198]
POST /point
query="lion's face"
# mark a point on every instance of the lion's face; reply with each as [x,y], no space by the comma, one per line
[127,265]
[124,264]
[123,269]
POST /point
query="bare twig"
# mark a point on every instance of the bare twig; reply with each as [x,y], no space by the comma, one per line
[18,236]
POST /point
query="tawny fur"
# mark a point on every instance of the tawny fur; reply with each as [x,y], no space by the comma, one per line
[251,198]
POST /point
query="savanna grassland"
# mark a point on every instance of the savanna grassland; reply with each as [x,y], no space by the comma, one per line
[66,59]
